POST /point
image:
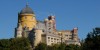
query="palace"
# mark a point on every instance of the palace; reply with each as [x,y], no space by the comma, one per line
[43,31]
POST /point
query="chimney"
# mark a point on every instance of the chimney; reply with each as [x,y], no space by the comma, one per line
[75,30]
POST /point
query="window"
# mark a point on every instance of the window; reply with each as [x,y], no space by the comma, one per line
[32,18]
[66,35]
[28,28]
[70,38]
[58,40]
[49,32]
[49,28]
[75,35]
[51,38]
[48,40]
[51,41]
[54,38]
[70,35]
[25,17]
[48,37]
[42,30]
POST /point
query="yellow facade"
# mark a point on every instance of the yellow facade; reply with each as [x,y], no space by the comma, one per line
[28,20]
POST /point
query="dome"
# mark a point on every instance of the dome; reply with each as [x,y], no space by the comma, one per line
[27,10]
[46,19]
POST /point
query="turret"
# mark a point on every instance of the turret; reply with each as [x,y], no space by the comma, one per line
[52,20]
[27,18]
[38,39]
[18,31]
[75,32]
[46,20]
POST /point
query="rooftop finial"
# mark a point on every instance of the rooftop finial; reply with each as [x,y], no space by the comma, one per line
[27,4]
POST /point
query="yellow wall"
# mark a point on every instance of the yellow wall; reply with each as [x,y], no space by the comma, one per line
[28,20]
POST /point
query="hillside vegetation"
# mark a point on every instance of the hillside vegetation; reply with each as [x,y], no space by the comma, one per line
[91,42]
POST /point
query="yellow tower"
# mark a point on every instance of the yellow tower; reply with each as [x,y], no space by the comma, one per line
[27,18]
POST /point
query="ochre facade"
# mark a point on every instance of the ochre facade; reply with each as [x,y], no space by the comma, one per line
[28,20]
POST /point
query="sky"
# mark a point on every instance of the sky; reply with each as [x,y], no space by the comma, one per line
[84,14]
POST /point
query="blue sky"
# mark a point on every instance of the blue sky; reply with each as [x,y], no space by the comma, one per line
[84,14]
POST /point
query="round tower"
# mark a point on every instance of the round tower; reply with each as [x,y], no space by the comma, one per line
[27,18]
[18,31]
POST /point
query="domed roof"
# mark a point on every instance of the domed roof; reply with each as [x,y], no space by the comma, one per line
[27,10]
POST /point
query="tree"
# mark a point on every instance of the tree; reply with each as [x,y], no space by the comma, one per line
[62,46]
[41,46]
[15,44]
[53,47]
[4,44]
[73,47]
[92,41]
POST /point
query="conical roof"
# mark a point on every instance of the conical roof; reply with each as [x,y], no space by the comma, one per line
[27,10]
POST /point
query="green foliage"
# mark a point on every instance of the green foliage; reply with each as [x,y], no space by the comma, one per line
[63,46]
[73,47]
[53,47]
[15,44]
[41,46]
[92,42]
